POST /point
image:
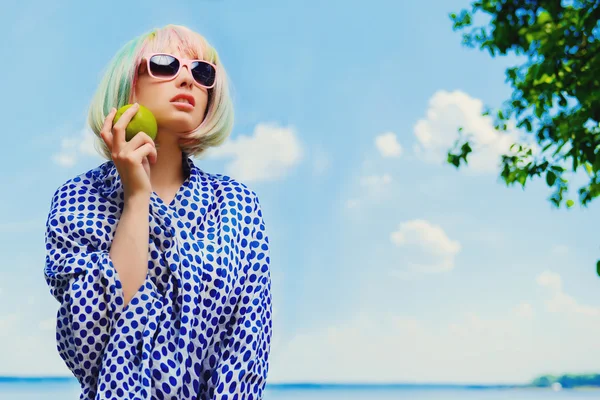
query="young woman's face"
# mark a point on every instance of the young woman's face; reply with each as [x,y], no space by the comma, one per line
[157,96]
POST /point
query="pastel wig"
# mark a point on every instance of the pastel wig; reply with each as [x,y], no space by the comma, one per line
[117,87]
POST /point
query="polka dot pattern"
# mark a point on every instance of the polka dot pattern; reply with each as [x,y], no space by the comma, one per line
[199,326]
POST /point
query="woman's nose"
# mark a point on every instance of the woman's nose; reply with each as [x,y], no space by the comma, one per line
[186,76]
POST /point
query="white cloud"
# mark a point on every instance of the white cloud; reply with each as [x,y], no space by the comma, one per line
[32,353]
[427,247]
[269,154]
[524,310]
[550,280]
[373,188]
[388,145]
[75,147]
[398,348]
[26,350]
[470,348]
[437,132]
[560,302]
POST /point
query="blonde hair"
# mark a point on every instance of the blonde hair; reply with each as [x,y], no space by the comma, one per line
[117,86]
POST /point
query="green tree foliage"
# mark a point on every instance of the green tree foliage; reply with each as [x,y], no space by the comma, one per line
[568,380]
[556,91]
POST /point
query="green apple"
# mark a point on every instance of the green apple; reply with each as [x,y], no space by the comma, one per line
[142,121]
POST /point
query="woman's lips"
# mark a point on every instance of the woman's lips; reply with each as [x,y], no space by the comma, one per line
[183,106]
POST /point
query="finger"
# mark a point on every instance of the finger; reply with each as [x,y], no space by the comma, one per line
[137,141]
[105,132]
[147,150]
[108,120]
[119,128]
[140,140]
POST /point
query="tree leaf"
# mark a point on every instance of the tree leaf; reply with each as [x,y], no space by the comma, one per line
[550,178]
[555,87]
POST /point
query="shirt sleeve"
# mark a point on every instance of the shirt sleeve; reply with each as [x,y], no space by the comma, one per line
[242,370]
[82,278]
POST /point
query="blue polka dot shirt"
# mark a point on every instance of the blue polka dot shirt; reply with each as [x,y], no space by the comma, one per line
[199,327]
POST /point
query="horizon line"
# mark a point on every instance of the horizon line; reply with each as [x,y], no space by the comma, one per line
[14,378]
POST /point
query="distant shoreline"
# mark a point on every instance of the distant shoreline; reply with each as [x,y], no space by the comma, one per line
[568,381]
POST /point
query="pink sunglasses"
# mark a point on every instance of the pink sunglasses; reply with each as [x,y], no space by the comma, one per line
[165,67]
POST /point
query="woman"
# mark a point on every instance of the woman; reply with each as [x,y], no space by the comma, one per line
[161,269]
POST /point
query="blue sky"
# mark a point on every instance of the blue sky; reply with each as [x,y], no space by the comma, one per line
[387,264]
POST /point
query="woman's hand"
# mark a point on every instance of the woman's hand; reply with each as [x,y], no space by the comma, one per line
[130,158]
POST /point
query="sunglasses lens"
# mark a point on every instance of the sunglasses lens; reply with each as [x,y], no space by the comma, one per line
[204,73]
[163,66]
[166,66]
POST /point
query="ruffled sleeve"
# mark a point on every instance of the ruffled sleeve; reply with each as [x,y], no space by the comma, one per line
[82,278]
[244,352]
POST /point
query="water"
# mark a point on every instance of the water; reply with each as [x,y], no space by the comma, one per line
[67,389]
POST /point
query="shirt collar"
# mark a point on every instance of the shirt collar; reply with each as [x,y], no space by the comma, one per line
[109,183]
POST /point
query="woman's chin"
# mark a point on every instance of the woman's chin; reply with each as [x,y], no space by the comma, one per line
[178,125]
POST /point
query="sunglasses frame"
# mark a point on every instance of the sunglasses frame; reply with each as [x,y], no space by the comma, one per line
[183,62]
